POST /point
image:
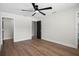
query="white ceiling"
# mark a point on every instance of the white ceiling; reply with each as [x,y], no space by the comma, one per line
[16,7]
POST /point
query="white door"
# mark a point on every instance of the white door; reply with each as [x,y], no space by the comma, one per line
[7,28]
[2,30]
[78,26]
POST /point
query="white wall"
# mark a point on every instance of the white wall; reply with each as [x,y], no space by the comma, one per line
[60,27]
[22,26]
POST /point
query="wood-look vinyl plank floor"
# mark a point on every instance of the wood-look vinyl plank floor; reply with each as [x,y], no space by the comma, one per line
[36,47]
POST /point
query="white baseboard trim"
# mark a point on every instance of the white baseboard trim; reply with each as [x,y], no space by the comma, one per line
[65,44]
[7,38]
[17,40]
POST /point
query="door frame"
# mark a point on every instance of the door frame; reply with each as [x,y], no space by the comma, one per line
[76,28]
[33,29]
[1,27]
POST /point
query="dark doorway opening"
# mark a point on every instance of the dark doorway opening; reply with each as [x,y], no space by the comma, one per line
[39,29]
[36,30]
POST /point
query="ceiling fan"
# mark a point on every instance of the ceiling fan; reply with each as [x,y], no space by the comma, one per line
[37,10]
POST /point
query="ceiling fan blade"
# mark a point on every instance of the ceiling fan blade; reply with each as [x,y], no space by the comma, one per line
[27,10]
[33,14]
[46,8]
[33,4]
[42,13]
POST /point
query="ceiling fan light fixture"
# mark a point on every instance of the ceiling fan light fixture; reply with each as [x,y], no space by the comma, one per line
[36,11]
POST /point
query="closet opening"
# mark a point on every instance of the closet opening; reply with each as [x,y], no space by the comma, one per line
[78,28]
[7,29]
[36,29]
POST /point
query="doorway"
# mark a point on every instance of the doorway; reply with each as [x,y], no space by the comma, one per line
[36,29]
[7,29]
[39,29]
[77,28]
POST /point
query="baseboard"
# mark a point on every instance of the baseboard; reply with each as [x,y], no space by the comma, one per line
[17,40]
[7,38]
[65,44]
